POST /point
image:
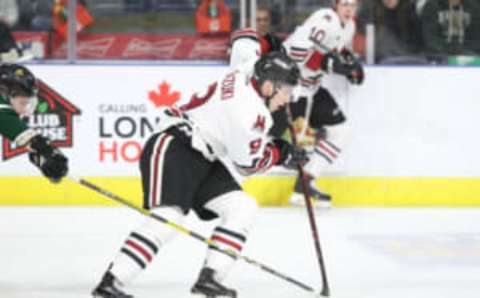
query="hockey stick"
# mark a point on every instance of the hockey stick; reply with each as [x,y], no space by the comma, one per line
[325,288]
[191,233]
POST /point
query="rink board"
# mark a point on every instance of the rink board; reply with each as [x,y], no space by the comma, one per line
[407,146]
[267,190]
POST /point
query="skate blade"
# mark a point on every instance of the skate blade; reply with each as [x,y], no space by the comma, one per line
[101,296]
[298,200]
[199,295]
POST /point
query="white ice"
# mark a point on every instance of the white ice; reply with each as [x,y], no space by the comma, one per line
[371,253]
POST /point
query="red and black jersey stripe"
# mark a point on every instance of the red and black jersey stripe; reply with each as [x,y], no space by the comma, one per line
[245,33]
[298,54]
[308,82]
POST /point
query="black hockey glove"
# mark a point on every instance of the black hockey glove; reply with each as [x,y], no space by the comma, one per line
[352,70]
[51,162]
[291,156]
[348,56]
[332,62]
[357,75]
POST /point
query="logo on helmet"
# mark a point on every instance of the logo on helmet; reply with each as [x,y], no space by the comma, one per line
[19,72]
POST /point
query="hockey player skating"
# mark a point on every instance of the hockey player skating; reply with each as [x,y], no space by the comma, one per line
[320,46]
[18,99]
[183,168]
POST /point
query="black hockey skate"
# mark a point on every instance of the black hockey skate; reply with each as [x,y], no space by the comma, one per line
[319,199]
[207,287]
[108,289]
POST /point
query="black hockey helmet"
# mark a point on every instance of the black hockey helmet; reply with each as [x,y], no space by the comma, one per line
[278,68]
[16,79]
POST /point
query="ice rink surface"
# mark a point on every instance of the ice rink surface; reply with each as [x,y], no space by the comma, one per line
[369,253]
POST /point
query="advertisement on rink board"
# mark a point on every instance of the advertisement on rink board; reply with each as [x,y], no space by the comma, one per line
[110,112]
[105,114]
[121,109]
[100,116]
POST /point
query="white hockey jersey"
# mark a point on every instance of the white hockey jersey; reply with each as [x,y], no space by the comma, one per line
[320,34]
[246,49]
[229,123]
[247,46]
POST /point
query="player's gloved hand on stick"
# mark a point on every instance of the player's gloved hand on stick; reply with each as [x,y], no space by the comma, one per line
[357,74]
[51,162]
[290,156]
[332,62]
[348,56]
[350,68]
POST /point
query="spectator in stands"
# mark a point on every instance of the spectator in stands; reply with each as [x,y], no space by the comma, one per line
[60,17]
[35,15]
[9,51]
[9,12]
[397,27]
[213,16]
[264,28]
[419,4]
[451,27]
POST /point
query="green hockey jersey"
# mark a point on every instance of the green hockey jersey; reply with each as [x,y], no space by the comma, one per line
[11,125]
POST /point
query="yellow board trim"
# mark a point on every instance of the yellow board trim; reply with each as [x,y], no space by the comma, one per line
[268,190]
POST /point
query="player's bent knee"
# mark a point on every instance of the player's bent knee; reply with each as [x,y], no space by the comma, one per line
[159,231]
[236,208]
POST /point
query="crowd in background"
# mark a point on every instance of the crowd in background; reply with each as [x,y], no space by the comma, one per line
[422,30]
[405,31]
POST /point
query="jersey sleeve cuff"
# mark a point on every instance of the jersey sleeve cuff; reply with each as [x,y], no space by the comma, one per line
[25,137]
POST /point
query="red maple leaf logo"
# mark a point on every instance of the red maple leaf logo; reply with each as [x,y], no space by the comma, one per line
[164,96]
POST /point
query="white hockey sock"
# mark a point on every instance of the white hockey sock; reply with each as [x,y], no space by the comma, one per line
[237,210]
[143,244]
[327,150]
[226,239]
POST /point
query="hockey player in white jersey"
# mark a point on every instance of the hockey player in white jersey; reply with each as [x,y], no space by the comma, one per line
[183,168]
[320,46]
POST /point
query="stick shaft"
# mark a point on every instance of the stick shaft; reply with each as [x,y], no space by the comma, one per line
[192,234]
[311,216]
